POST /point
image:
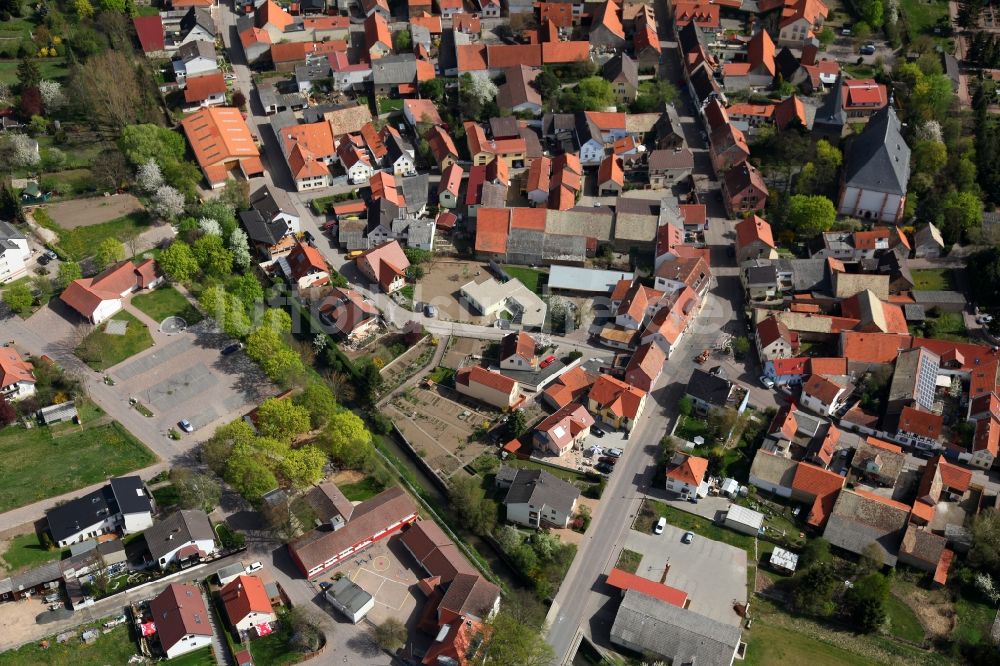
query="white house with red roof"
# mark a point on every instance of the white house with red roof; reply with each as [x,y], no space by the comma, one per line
[305,267]
[517,352]
[181,619]
[17,380]
[247,604]
[101,296]
[754,240]
[822,395]
[564,430]
[685,474]
[487,386]
[385,265]
[616,403]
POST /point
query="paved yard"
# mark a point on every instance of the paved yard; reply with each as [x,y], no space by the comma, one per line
[387,572]
[713,574]
[441,284]
[185,377]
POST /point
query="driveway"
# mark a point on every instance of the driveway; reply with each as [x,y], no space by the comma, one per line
[713,574]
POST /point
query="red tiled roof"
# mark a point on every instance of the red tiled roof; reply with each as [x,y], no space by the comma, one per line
[244,595]
[865,93]
[821,484]
[554,53]
[921,423]
[494,380]
[923,511]
[828,366]
[377,31]
[607,16]
[179,611]
[451,179]
[790,366]
[691,471]
[569,386]
[751,229]
[504,56]
[492,229]
[270,13]
[624,580]
[528,218]
[787,110]
[943,566]
[615,395]
[760,52]
[13,369]
[611,171]
[149,30]
[987,436]
[873,347]
[200,88]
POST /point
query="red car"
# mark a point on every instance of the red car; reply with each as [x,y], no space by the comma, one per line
[547,361]
[611,460]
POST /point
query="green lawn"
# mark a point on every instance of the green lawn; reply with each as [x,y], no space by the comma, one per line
[653,510]
[202,657]
[273,650]
[362,490]
[166,302]
[689,427]
[166,497]
[921,16]
[27,551]
[975,618]
[101,351]
[565,474]
[386,105]
[114,647]
[45,462]
[933,279]
[51,68]
[768,645]
[629,560]
[903,622]
[529,277]
[81,242]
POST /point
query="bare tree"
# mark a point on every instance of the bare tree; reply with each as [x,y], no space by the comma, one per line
[130,238]
[108,88]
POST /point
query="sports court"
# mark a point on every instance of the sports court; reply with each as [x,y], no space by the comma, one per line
[386,571]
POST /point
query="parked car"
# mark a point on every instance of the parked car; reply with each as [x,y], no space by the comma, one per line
[547,361]
[254,566]
[611,460]
[325,586]
[660,524]
[615,453]
[232,349]
[185,425]
[604,468]
[595,451]
[767,381]
[51,255]
[430,311]
[596,432]
[44,259]
[868,49]
[688,537]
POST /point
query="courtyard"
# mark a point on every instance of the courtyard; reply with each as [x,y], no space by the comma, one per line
[442,280]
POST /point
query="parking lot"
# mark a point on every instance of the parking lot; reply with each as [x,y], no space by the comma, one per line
[387,572]
[185,377]
[713,574]
[439,427]
[440,286]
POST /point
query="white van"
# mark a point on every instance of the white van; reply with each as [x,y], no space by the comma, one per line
[660,525]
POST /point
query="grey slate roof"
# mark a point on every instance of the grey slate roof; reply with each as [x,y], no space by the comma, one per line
[703,84]
[678,635]
[9,232]
[395,69]
[198,16]
[349,595]
[708,388]
[879,159]
[197,49]
[622,65]
[420,232]
[690,37]
[351,235]
[762,275]
[67,519]
[414,189]
[831,112]
[809,274]
[177,528]
[858,521]
[537,487]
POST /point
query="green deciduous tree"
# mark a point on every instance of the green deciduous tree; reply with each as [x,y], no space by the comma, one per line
[278,361]
[303,466]
[178,262]
[961,212]
[282,419]
[391,635]
[865,601]
[347,439]
[249,474]
[141,143]
[871,12]
[68,271]
[474,511]
[512,643]
[212,256]
[215,452]
[18,298]
[403,41]
[320,401]
[590,94]
[196,490]
[433,89]
[810,215]
[108,252]
[985,551]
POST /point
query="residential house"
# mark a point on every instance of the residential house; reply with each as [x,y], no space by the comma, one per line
[759,69]
[442,148]
[518,93]
[669,166]
[517,352]
[564,430]
[102,296]
[17,380]
[743,190]
[378,37]
[685,474]
[801,21]
[348,313]
[394,75]
[645,366]
[623,73]
[943,481]
[819,489]
[774,340]
[355,161]
[222,144]
[182,621]
[489,8]
[727,148]
[273,19]
[256,44]
[14,252]
[247,604]
[928,242]
[449,189]
[823,396]
[400,156]
[862,98]
[536,498]
[773,473]
[195,59]
[372,520]
[123,504]
[184,536]
[606,28]
[205,90]
[149,30]
[616,403]
[487,386]
[708,391]
[380,7]
[271,223]
[385,265]
[667,326]
[610,176]
[568,387]
[513,150]
[645,38]
[924,550]
[877,462]
[876,171]
[860,518]
[919,428]
[673,275]
[305,267]
[420,111]
[754,240]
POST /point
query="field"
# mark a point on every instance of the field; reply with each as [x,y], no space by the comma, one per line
[529,277]
[652,511]
[27,551]
[101,351]
[166,302]
[937,279]
[114,647]
[45,462]
[922,15]
[768,644]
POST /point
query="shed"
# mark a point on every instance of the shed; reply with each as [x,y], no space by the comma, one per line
[729,487]
[588,280]
[744,520]
[64,411]
[350,599]
[783,560]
